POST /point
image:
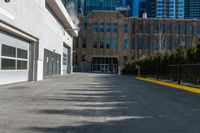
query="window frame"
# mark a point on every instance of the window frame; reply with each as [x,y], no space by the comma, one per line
[14,58]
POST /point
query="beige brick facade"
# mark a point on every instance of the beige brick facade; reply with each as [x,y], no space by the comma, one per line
[134,38]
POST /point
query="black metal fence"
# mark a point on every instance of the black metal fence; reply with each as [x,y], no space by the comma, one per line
[183,73]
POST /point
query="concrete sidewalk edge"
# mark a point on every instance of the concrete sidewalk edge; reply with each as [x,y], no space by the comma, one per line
[181,87]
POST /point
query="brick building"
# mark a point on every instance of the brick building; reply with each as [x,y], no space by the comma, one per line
[108,41]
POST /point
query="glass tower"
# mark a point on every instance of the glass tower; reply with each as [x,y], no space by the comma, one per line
[192,9]
[172,9]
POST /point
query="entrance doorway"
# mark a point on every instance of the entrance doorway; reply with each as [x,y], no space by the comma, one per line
[104,65]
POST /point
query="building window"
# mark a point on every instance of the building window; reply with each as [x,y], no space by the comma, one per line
[176,42]
[84,29]
[147,27]
[84,43]
[8,51]
[156,28]
[22,53]
[162,28]
[169,28]
[125,58]
[133,29]
[102,43]
[21,65]
[8,64]
[108,43]
[125,44]
[13,58]
[114,43]
[177,28]
[133,43]
[125,28]
[146,44]
[198,29]
[102,27]
[190,29]
[140,42]
[115,27]
[95,27]
[108,27]
[140,30]
[155,44]
[95,43]
[183,29]
[168,43]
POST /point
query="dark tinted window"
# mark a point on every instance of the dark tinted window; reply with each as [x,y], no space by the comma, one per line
[21,65]
[8,64]
[22,54]
[8,51]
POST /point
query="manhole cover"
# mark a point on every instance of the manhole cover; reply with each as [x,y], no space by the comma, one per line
[16,87]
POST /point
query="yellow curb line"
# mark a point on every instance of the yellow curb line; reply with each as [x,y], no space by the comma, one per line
[181,87]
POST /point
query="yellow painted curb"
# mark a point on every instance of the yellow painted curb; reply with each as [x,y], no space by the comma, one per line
[181,87]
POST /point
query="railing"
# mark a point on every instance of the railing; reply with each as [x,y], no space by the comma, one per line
[183,73]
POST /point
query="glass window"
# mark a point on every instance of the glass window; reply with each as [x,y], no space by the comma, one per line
[125,44]
[21,65]
[156,28]
[95,27]
[102,43]
[125,58]
[176,42]
[108,27]
[133,29]
[177,28]
[183,29]
[147,27]
[108,43]
[114,43]
[198,29]
[168,30]
[155,44]
[8,64]
[140,42]
[22,53]
[125,28]
[115,26]
[140,28]
[190,28]
[102,27]
[95,43]
[133,43]
[146,44]
[8,51]
[84,44]
[84,29]
[162,28]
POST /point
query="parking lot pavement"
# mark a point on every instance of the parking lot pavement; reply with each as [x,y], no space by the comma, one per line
[97,103]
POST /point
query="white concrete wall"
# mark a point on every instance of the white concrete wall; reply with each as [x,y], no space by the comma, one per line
[32,17]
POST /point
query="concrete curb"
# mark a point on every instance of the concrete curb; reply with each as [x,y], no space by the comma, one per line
[180,87]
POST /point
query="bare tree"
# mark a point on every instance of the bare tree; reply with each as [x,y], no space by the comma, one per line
[161,39]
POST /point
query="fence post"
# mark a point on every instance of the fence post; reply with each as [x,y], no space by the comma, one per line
[179,74]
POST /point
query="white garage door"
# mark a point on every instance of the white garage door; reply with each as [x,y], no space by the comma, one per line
[14,59]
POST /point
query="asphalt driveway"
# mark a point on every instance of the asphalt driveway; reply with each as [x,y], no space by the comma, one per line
[97,103]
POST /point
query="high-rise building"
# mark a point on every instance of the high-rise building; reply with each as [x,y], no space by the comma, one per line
[92,5]
[172,9]
[134,7]
[192,9]
[142,7]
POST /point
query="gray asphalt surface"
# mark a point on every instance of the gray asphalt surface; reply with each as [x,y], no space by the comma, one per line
[97,103]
